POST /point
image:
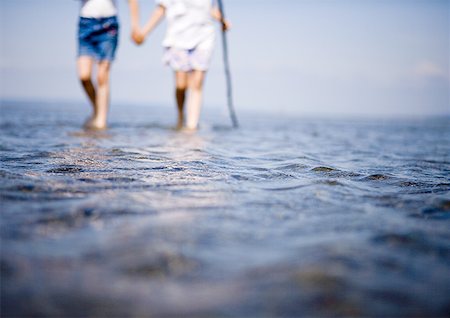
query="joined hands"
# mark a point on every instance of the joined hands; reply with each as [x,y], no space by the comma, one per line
[137,36]
[226,25]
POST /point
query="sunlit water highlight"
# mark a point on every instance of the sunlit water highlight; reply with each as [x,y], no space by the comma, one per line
[284,216]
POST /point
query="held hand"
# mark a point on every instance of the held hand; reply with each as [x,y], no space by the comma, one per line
[137,36]
[226,25]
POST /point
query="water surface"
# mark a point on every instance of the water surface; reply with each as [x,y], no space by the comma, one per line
[282,217]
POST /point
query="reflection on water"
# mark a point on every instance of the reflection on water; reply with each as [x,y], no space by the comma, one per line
[282,217]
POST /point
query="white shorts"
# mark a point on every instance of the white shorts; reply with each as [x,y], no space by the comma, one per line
[181,60]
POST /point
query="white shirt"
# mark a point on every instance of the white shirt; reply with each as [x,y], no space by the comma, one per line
[98,8]
[189,24]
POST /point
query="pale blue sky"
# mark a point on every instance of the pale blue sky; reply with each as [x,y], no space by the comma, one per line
[305,57]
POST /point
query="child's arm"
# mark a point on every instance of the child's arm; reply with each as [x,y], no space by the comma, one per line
[154,20]
[134,13]
[217,15]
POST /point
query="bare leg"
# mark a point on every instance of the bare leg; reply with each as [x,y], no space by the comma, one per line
[195,82]
[84,65]
[102,96]
[181,81]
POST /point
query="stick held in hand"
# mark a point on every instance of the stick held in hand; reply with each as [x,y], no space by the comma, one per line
[227,69]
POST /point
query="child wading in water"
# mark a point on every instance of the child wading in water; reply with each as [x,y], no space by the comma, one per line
[98,35]
[188,44]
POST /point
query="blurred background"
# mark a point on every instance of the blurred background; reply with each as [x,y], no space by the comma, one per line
[288,216]
[302,57]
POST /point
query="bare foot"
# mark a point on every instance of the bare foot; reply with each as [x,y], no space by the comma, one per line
[180,122]
[88,122]
[188,129]
[94,124]
[177,128]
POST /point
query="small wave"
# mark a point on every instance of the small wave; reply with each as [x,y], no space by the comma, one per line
[443,186]
[336,172]
[37,155]
[314,278]
[88,180]
[439,210]
[347,174]
[240,177]
[292,167]
[330,182]
[152,125]
[10,159]
[91,134]
[121,179]
[81,216]
[117,152]
[409,184]
[66,169]
[161,265]
[9,175]
[34,192]
[323,169]
[413,242]
[275,176]
[294,187]
[222,128]
[377,177]
[168,168]
[25,188]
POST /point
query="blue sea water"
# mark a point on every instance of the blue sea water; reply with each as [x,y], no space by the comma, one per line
[282,217]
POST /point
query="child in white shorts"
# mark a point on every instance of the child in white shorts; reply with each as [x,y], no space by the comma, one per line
[188,43]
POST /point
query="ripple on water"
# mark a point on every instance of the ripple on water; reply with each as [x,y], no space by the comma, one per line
[89,180]
[412,243]
[4,174]
[291,167]
[25,188]
[117,152]
[337,173]
[34,191]
[241,177]
[159,265]
[121,179]
[66,169]
[153,210]
[377,177]
[289,188]
[409,184]
[53,222]
[331,182]
[275,175]
[168,168]
[323,169]
[28,157]
[439,210]
[311,290]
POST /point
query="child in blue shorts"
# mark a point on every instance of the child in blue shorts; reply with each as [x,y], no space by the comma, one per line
[98,35]
[188,44]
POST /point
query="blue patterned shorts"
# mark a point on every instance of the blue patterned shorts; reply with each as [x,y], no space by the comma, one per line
[98,38]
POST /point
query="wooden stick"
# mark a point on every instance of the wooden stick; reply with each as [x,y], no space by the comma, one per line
[227,70]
